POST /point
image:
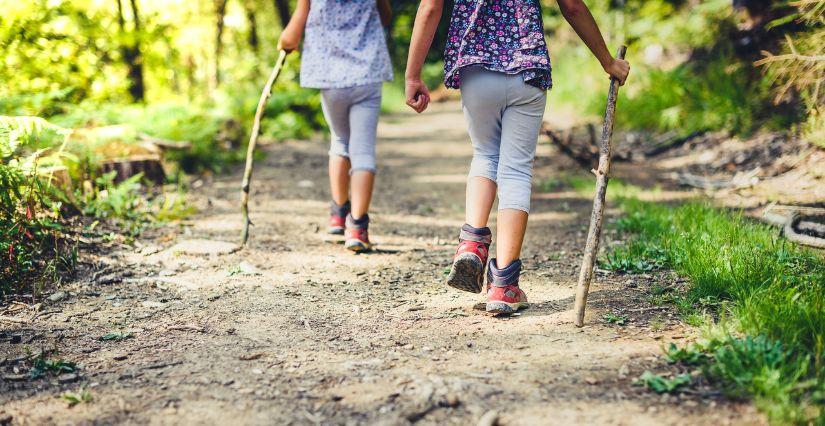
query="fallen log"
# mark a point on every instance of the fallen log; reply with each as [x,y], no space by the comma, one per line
[806,230]
[124,168]
[583,150]
[166,144]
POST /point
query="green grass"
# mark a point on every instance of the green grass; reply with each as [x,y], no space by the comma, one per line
[772,291]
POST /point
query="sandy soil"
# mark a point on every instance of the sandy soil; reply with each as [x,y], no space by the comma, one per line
[306,333]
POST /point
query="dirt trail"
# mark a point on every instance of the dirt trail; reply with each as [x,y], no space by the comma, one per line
[316,335]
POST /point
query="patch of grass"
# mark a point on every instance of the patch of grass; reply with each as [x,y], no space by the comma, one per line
[612,318]
[634,257]
[661,384]
[774,292]
[687,355]
[43,366]
[73,398]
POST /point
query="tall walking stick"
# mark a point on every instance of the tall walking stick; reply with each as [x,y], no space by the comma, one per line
[596,217]
[253,139]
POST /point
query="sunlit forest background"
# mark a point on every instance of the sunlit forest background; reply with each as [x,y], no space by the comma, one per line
[111,110]
[86,81]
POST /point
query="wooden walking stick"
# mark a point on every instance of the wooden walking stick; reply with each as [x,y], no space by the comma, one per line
[253,139]
[596,217]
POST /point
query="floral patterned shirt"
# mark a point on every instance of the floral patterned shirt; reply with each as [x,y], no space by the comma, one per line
[501,35]
[344,45]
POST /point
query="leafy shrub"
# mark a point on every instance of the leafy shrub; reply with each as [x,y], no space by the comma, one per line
[661,384]
[775,291]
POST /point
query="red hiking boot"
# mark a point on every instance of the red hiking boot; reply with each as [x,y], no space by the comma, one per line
[467,272]
[503,293]
[356,234]
[337,218]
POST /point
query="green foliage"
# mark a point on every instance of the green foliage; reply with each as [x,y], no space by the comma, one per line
[612,318]
[116,200]
[74,398]
[634,257]
[30,243]
[774,290]
[688,73]
[715,95]
[687,355]
[797,71]
[661,384]
[43,366]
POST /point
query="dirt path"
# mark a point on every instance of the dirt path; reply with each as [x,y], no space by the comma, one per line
[315,335]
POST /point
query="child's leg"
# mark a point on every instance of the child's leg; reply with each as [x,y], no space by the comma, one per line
[339,178]
[363,122]
[521,123]
[481,193]
[336,106]
[483,100]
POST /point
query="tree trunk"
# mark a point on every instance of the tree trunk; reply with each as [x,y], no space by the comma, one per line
[132,56]
[220,6]
[253,27]
[282,7]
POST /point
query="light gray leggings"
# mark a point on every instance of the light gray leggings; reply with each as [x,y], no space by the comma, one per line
[352,115]
[503,115]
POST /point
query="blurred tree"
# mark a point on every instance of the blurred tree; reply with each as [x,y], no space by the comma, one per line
[220,12]
[282,7]
[130,49]
[252,38]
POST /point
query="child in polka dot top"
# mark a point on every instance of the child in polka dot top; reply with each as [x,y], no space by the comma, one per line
[345,55]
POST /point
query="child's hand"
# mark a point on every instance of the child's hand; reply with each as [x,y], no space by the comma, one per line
[418,96]
[289,40]
[618,69]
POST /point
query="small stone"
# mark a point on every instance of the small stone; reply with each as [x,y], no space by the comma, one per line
[452,400]
[67,378]
[15,377]
[591,380]
[57,296]
[120,357]
[152,304]
[306,184]
[257,371]
[624,370]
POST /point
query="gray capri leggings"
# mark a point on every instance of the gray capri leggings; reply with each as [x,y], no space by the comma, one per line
[503,115]
[352,115]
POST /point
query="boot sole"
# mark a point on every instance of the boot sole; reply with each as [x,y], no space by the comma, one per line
[505,308]
[467,273]
[357,246]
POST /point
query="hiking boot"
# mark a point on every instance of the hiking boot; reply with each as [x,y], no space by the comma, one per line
[337,218]
[357,236]
[503,293]
[467,272]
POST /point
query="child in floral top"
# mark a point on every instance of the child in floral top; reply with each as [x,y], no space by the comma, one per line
[345,55]
[497,56]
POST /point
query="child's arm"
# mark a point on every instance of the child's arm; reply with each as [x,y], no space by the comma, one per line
[426,22]
[385,12]
[291,35]
[580,18]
